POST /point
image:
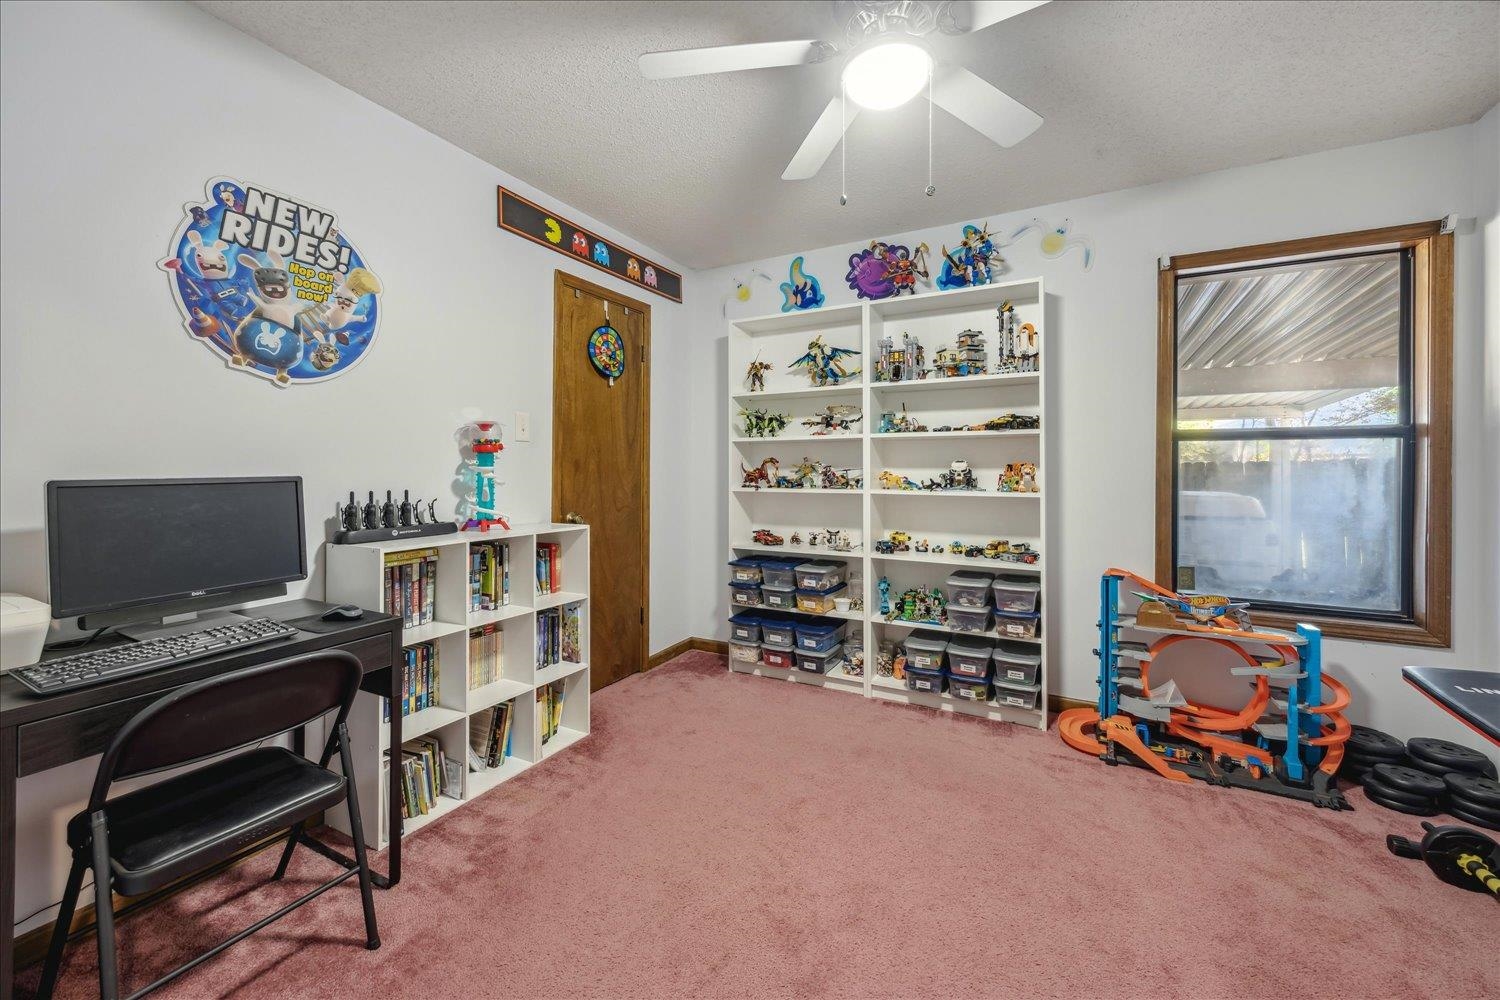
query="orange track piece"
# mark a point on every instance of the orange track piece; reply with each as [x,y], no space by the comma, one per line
[1120,729]
[1078,728]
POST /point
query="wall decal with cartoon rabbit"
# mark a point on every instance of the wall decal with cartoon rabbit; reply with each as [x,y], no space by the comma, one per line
[272,285]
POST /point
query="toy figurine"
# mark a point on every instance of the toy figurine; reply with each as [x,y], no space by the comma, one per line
[759,476]
[902,270]
[822,363]
[755,375]
[959,477]
[349,514]
[763,423]
[975,260]
[835,417]
[1018,477]
[764,537]
[388,512]
[956,548]
[814,539]
[922,546]
[484,441]
[796,539]
[885,596]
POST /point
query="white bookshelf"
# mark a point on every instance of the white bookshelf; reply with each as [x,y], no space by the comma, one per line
[354,575]
[934,318]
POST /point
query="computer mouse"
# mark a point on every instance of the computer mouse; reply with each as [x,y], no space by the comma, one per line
[344,613]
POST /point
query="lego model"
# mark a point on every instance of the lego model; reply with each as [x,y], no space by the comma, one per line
[1287,739]
[764,537]
[900,364]
[1009,422]
[891,481]
[928,607]
[958,477]
[755,374]
[763,423]
[967,358]
[975,260]
[764,474]
[904,424]
[1020,347]
[834,417]
[796,539]
[823,364]
[1018,477]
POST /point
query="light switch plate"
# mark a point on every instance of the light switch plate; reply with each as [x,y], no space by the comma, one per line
[523,426]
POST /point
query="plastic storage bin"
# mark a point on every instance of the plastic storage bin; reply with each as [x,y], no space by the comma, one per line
[744,652]
[1018,695]
[820,663]
[970,589]
[820,575]
[818,637]
[744,628]
[778,632]
[775,656]
[926,652]
[1016,625]
[969,657]
[1016,664]
[929,681]
[819,602]
[782,598]
[744,595]
[744,570]
[778,573]
[969,688]
[968,619]
[1017,593]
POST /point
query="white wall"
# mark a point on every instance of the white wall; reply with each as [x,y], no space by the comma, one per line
[1103,336]
[114,115]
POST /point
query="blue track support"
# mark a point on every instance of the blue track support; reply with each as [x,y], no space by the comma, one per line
[1312,665]
[1305,691]
[1109,598]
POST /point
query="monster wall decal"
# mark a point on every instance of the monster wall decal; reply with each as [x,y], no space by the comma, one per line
[800,290]
[1056,240]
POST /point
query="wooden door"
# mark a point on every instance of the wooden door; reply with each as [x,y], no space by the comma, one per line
[601,465]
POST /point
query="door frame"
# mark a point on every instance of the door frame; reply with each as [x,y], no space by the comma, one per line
[563,283]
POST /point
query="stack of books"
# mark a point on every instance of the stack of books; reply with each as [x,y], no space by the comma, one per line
[422,680]
[558,636]
[410,585]
[549,707]
[486,650]
[427,774]
[548,568]
[489,736]
[489,575]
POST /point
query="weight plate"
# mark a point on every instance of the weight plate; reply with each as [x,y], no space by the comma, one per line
[1427,767]
[1408,780]
[1458,812]
[1450,756]
[1400,807]
[1373,785]
[1473,809]
[1474,789]
[1368,742]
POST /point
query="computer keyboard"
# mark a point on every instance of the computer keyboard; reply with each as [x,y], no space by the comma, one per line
[66,673]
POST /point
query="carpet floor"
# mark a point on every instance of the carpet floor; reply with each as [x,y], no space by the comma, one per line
[728,836]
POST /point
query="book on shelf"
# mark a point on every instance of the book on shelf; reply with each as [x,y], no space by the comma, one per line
[559,636]
[425,774]
[486,655]
[489,575]
[548,568]
[421,686]
[411,585]
[490,736]
[572,633]
[549,707]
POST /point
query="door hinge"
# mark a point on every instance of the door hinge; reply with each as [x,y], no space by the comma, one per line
[644,354]
[643,616]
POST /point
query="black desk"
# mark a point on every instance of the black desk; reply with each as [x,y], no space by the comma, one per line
[37,733]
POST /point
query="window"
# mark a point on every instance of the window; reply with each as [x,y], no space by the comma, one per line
[1304,428]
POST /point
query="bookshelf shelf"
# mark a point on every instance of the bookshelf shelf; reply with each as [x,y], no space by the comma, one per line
[941,517]
[356,574]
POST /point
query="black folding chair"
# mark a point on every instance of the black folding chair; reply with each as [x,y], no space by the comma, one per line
[148,838]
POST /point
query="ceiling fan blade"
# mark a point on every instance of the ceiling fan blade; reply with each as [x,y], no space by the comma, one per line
[983,107]
[820,142]
[732,58]
[983,13]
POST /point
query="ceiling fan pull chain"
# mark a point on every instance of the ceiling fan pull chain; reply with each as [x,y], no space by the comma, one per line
[843,141]
[930,188]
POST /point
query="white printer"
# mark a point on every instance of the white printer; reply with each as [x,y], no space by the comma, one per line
[23,630]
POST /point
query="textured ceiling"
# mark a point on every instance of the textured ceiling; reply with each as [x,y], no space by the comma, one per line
[1132,93]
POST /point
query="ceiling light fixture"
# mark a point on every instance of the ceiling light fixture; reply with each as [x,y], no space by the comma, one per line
[886,75]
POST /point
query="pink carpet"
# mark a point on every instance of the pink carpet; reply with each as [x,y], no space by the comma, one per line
[731,836]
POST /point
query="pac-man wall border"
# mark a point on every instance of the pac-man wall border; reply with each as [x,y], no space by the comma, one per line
[531,221]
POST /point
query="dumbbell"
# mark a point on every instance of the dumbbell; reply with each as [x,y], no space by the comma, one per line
[1457,855]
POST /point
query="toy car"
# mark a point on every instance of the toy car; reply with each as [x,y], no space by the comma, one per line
[884,547]
[764,537]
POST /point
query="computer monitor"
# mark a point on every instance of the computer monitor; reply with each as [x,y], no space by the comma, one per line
[133,550]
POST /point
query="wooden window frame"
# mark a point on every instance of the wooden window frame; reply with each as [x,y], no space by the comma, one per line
[1432,412]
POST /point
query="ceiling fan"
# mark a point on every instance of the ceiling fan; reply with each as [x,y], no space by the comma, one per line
[886,63]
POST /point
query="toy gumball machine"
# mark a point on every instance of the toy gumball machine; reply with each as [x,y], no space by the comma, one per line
[484,441]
